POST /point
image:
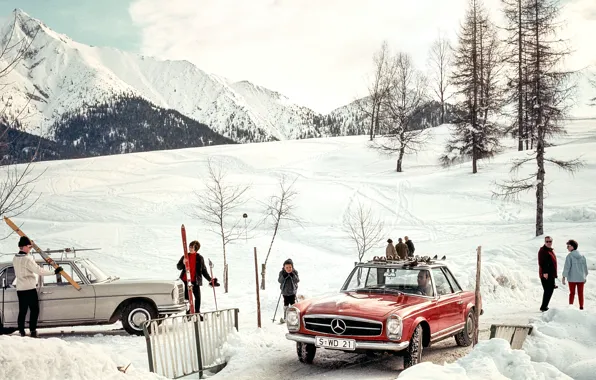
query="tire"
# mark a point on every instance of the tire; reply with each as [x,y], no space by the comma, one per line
[306,352]
[134,314]
[465,337]
[413,354]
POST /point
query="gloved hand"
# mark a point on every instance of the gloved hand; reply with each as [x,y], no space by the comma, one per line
[214,282]
[286,274]
[58,270]
[292,274]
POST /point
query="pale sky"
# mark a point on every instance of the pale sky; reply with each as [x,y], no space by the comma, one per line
[317,52]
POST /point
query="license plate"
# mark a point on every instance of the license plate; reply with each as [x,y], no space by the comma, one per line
[338,344]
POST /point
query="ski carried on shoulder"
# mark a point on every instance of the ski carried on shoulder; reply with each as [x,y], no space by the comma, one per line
[186,265]
[47,258]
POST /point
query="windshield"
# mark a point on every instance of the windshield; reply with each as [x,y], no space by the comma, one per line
[91,271]
[406,280]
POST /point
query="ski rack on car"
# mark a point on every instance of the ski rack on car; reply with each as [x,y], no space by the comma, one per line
[64,252]
[412,261]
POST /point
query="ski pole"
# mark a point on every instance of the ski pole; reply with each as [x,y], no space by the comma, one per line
[212,283]
[276,306]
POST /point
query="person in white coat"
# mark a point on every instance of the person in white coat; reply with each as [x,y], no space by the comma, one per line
[25,269]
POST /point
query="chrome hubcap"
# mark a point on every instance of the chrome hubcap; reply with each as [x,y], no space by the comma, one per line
[137,317]
[470,327]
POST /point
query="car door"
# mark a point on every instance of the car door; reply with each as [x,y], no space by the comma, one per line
[458,290]
[59,301]
[449,301]
[9,306]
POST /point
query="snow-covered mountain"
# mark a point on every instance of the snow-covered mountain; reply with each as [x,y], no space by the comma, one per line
[57,75]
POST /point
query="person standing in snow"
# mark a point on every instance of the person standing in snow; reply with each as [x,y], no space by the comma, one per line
[25,269]
[390,252]
[547,270]
[576,271]
[402,249]
[288,279]
[198,270]
[410,245]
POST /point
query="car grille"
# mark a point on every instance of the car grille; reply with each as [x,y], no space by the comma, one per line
[180,293]
[353,327]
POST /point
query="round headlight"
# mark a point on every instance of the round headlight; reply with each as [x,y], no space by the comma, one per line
[292,317]
[394,326]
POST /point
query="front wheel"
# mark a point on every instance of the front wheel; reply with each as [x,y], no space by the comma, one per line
[135,314]
[464,338]
[413,354]
[306,352]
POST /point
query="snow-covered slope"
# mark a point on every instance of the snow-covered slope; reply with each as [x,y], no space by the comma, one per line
[58,74]
[132,207]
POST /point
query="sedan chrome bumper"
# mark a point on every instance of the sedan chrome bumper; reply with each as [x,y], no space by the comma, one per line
[171,309]
[360,344]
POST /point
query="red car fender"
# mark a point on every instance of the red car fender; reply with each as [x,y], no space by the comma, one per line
[409,324]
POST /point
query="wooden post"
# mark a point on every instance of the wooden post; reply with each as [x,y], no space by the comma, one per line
[477,298]
[257,284]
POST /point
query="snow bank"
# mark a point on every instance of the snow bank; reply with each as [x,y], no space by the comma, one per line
[566,338]
[575,214]
[561,346]
[53,358]
[490,360]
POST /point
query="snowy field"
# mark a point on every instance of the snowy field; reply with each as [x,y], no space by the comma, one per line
[132,207]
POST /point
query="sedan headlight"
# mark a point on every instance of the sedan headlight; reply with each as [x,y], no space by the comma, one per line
[394,327]
[293,319]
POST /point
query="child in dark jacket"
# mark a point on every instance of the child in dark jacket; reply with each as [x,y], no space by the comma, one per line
[288,279]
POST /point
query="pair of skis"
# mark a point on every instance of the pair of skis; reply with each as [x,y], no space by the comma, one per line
[188,278]
[43,254]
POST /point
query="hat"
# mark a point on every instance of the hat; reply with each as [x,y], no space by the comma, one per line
[289,261]
[24,241]
[389,241]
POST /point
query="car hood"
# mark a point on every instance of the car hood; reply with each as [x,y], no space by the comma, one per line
[363,305]
[140,281]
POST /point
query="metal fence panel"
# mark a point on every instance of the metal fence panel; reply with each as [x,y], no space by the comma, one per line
[186,344]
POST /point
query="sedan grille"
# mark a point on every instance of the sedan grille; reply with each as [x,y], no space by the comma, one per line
[180,293]
[341,325]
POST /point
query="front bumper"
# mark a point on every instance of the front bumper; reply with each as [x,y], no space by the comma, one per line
[171,309]
[360,344]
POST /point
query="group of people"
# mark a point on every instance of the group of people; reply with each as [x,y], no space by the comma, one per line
[575,271]
[401,251]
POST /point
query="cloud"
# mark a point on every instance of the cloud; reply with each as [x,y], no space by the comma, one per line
[319,53]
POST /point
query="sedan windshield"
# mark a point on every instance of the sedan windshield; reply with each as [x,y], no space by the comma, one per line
[91,271]
[374,279]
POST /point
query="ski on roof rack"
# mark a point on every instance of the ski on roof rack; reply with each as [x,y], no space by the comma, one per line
[410,261]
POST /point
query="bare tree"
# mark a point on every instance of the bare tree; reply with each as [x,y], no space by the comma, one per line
[440,66]
[550,92]
[280,207]
[217,205]
[16,186]
[516,59]
[378,89]
[476,68]
[405,98]
[363,228]
[592,80]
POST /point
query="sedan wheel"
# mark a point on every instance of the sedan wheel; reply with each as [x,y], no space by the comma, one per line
[135,314]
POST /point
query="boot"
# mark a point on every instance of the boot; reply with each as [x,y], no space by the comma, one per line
[283,319]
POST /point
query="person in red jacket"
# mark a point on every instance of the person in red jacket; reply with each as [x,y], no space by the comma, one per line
[547,269]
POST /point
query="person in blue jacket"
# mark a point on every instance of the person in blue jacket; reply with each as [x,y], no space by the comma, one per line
[575,271]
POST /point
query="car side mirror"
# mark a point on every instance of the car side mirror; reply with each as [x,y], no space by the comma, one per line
[4,283]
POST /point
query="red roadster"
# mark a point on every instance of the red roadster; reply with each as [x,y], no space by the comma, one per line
[387,306]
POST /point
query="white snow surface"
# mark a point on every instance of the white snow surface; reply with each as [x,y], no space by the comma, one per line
[60,75]
[132,207]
